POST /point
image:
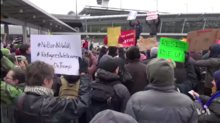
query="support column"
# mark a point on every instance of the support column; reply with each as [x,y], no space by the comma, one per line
[24,31]
[6,30]
[29,31]
[86,26]
[112,24]
[204,24]
[161,26]
[183,25]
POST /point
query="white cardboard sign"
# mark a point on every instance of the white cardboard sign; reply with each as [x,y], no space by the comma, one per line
[152,15]
[60,51]
[132,15]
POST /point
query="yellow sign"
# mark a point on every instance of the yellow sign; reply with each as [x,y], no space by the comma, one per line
[113,35]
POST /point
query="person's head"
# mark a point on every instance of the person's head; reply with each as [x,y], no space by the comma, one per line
[112,51]
[25,49]
[111,65]
[154,52]
[160,72]
[215,51]
[15,76]
[216,81]
[137,22]
[40,73]
[133,53]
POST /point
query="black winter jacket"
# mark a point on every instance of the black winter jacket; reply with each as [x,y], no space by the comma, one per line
[191,81]
[137,28]
[33,108]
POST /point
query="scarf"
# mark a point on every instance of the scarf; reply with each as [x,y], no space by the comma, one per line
[39,90]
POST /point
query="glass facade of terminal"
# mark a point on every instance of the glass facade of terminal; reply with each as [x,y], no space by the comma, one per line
[167,27]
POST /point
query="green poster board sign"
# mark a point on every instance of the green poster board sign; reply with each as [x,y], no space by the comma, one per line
[172,49]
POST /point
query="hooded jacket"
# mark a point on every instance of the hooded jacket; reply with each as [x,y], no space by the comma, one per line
[212,64]
[161,103]
[109,116]
[107,77]
[8,95]
[214,106]
[137,28]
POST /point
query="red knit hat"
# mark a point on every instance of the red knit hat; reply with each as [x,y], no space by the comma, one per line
[120,40]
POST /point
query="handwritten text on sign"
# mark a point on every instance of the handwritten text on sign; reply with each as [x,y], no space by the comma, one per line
[60,51]
[172,49]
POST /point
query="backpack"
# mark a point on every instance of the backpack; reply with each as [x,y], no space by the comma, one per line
[68,90]
[103,96]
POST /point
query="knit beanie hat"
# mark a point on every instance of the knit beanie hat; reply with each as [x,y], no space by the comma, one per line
[133,53]
[154,52]
[111,64]
[217,80]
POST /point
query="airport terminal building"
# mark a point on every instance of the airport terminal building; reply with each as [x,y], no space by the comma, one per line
[94,21]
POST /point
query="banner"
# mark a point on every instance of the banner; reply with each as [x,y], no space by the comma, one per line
[132,15]
[129,37]
[60,51]
[152,15]
[202,39]
[113,34]
[145,44]
[172,49]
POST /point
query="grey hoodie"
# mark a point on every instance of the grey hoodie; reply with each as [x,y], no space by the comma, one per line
[161,103]
[109,116]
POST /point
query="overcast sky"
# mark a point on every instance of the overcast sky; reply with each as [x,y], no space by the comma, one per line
[172,6]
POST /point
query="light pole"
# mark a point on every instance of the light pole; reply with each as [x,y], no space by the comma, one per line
[76,8]
[156,4]
[186,4]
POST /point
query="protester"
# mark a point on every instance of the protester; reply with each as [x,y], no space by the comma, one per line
[214,104]
[212,64]
[37,103]
[25,51]
[153,54]
[107,90]
[138,29]
[161,102]
[153,25]
[136,69]
[109,116]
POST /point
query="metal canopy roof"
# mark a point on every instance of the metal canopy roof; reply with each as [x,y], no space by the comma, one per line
[28,12]
[141,17]
[96,10]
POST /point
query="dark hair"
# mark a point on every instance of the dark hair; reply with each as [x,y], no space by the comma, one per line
[23,48]
[133,53]
[37,72]
[18,74]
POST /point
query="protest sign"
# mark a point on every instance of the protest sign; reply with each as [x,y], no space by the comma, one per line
[202,39]
[60,51]
[152,15]
[129,37]
[172,49]
[219,42]
[113,35]
[145,44]
[132,15]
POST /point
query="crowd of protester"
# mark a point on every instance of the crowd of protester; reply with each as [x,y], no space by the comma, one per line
[115,85]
